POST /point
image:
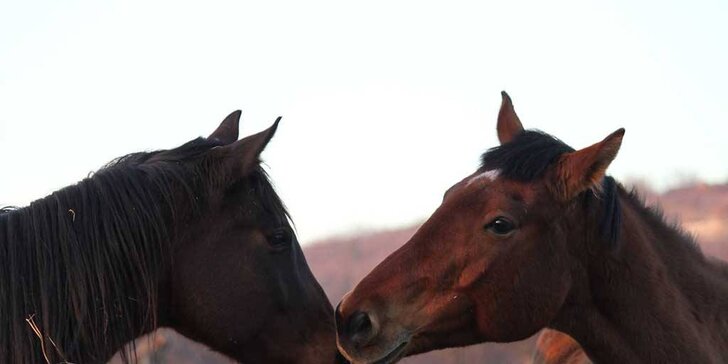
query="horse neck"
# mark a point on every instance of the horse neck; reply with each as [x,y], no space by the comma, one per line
[656,299]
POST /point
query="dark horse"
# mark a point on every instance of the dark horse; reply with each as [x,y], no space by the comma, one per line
[539,237]
[194,238]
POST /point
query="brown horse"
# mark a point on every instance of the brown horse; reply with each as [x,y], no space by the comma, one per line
[194,238]
[539,237]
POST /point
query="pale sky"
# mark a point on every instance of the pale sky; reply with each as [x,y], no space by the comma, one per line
[385,104]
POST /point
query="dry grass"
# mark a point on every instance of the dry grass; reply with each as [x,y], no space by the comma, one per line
[36,330]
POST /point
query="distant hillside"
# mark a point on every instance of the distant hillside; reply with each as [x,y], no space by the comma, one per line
[703,211]
[359,254]
[339,263]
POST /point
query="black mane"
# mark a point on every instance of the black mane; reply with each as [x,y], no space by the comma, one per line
[527,157]
[83,265]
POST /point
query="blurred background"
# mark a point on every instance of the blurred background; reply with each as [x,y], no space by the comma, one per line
[385,104]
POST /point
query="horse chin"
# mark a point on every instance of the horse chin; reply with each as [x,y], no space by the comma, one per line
[323,355]
[426,343]
[383,352]
[319,349]
[452,329]
[394,355]
[444,337]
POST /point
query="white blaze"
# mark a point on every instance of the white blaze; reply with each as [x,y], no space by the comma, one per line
[490,175]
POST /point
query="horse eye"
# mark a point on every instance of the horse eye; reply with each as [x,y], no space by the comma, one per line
[280,238]
[500,226]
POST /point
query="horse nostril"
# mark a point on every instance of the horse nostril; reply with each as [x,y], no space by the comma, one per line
[359,323]
[359,327]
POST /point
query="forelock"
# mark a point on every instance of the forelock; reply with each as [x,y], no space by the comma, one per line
[526,157]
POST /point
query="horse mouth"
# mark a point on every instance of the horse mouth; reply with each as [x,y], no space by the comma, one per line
[393,355]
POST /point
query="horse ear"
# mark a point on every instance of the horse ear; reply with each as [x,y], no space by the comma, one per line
[508,123]
[227,132]
[584,169]
[244,154]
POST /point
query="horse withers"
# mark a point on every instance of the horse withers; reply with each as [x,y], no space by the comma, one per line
[194,238]
[540,237]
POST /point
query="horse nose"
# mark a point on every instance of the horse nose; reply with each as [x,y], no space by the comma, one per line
[358,328]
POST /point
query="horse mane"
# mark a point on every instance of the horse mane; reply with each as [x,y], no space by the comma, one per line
[80,268]
[528,156]
[655,216]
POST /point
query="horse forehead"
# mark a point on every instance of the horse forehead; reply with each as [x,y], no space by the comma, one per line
[490,175]
[493,181]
